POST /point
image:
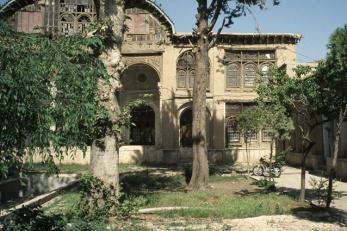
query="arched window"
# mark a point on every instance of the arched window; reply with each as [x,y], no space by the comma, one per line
[142,26]
[233,75]
[185,70]
[83,23]
[67,24]
[142,130]
[75,15]
[186,128]
[250,74]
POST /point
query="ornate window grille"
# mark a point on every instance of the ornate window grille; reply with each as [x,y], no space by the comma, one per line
[243,67]
[185,70]
[75,16]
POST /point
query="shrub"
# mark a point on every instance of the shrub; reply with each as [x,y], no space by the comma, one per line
[33,219]
[99,201]
[269,185]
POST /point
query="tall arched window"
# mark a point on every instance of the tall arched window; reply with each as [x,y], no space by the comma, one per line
[233,75]
[142,130]
[185,70]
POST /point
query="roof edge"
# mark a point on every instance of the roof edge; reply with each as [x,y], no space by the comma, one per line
[153,4]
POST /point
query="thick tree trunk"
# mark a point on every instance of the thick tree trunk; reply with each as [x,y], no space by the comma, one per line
[332,172]
[104,152]
[200,170]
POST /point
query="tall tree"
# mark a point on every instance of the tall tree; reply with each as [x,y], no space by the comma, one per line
[208,15]
[331,77]
[104,151]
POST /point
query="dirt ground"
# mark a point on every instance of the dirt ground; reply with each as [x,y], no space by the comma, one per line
[236,187]
[262,223]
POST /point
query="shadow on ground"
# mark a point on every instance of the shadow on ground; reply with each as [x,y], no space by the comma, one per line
[318,214]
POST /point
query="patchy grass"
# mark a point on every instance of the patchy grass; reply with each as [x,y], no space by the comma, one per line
[230,197]
[64,203]
[215,205]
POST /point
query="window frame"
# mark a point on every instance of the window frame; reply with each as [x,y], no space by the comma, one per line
[241,58]
[231,114]
[190,72]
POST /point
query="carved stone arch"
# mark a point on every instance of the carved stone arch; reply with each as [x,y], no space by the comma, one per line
[140,76]
[154,61]
[189,104]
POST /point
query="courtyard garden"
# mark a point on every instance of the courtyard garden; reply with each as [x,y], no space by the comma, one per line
[158,196]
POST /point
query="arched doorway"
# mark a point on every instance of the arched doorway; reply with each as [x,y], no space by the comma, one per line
[142,128]
[186,128]
[137,81]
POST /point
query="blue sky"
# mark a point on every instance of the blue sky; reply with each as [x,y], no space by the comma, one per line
[314,19]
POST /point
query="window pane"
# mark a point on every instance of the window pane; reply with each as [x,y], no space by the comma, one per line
[249,75]
[250,55]
[252,137]
[266,134]
[233,75]
[181,79]
[232,135]
[232,109]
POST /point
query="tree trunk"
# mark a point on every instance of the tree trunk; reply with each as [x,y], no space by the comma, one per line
[303,172]
[332,172]
[200,171]
[104,151]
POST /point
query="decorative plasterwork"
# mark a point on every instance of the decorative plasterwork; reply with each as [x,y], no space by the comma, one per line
[155,61]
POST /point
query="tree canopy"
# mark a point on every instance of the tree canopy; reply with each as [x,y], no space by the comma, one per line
[48,97]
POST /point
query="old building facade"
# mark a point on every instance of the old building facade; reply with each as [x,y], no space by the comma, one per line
[159,62]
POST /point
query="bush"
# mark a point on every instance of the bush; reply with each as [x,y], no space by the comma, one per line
[99,201]
[33,219]
[269,185]
[320,190]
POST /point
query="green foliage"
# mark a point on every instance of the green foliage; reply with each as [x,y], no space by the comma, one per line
[331,76]
[281,158]
[124,119]
[320,188]
[48,97]
[249,121]
[32,219]
[272,109]
[99,201]
[267,184]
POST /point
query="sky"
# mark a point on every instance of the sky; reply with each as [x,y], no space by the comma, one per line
[315,20]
